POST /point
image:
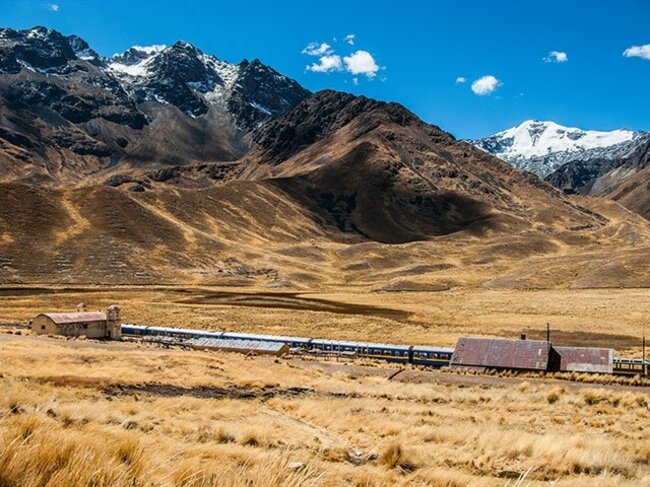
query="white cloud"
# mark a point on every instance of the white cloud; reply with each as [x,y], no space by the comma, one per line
[314,49]
[461,79]
[53,7]
[638,51]
[556,57]
[355,80]
[361,62]
[350,39]
[326,64]
[485,85]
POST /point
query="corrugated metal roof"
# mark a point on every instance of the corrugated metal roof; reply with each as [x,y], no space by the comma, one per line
[276,338]
[500,353]
[66,318]
[239,345]
[582,359]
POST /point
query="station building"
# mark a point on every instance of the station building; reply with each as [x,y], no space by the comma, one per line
[91,324]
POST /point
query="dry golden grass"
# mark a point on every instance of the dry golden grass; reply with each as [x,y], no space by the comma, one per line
[86,413]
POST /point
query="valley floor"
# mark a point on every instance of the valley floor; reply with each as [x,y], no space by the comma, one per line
[591,317]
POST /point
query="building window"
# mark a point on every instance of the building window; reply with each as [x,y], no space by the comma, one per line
[42,327]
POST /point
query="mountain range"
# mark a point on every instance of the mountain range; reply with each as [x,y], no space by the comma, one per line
[70,113]
[164,164]
[613,164]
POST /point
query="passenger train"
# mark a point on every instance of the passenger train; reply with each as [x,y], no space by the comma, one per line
[412,354]
[418,355]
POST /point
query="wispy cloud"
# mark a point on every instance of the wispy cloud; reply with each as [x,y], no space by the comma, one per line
[638,51]
[315,49]
[485,85]
[460,80]
[54,7]
[556,57]
[350,39]
[326,64]
[361,62]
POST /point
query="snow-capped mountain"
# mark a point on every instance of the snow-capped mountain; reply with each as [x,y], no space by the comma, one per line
[179,75]
[161,103]
[614,164]
[543,147]
[183,76]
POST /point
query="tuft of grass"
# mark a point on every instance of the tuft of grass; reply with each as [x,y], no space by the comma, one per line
[393,456]
[223,436]
[250,438]
[554,394]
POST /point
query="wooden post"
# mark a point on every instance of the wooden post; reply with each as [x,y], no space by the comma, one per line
[644,370]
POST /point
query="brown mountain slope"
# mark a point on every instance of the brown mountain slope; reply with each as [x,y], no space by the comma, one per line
[634,192]
[623,178]
[630,184]
[340,191]
[376,169]
[257,234]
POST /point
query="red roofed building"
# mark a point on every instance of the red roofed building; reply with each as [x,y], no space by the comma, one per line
[93,324]
[582,359]
[496,353]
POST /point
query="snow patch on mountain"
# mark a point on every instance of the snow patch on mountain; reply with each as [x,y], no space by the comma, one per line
[133,70]
[533,138]
[542,147]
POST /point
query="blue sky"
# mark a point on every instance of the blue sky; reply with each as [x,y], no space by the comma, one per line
[417,51]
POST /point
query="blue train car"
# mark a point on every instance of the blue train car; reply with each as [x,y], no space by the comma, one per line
[382,351]
[431,356]
[133,330]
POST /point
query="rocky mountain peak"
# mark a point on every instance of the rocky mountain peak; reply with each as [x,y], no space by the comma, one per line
[321,115]
[82,50]
[38,49]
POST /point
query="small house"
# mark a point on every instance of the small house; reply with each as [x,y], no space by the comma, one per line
[91,324]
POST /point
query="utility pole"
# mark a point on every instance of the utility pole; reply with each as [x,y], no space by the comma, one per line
[548,332]
[644,370]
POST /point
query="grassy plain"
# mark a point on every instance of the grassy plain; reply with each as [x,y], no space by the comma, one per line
[76,412]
